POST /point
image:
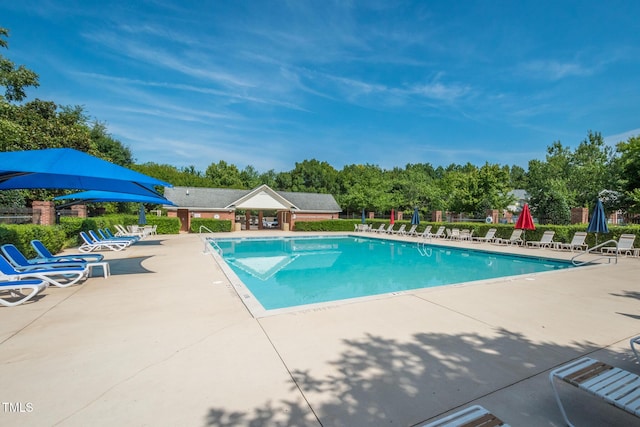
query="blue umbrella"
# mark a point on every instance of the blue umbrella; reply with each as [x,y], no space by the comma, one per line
[363,215]
[598,223]
[415,219]
[142,216]
[66,168]
[97,196]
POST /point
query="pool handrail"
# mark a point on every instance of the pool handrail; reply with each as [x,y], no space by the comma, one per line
[209,243]
[206,228]
[608,257]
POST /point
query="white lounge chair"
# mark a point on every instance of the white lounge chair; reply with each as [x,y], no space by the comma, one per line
[380,229]
[400,230]
[465,234]
[515,238]
[389,229]
[546,241]
[99,236]
[452,234]
[15,287]
[614,385]
[487,237]
[473,416]
[439,234]
[412,231]
[425,233]
[61,277]
[105,233]
[44,254]
[624,247]
[123,232]
[577,242]
[89,245]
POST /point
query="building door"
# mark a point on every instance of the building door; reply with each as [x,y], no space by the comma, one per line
[183,214]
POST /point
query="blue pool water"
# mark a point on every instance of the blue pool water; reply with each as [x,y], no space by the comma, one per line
[287,272]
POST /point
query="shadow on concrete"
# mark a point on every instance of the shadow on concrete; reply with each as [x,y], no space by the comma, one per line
[382,381]
[148,242]
[628,294]
[128,265]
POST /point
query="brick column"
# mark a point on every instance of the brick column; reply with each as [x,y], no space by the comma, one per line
[247,219]
[372,215]
[436,216]
[493,214]
[579,215]
[400,215]
[80,209]
[47,212]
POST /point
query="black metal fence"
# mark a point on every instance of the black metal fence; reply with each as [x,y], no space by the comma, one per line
[11,215]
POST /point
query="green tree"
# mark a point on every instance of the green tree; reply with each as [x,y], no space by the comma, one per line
[269,178]
[108,147]
[628,165]
[362,187]
[185,177]
[250,177]
[589,169]
[39,124]
[224,175]
[315,177]
[14,79]
[517,177]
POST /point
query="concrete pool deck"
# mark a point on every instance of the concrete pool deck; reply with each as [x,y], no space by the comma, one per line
[166,341]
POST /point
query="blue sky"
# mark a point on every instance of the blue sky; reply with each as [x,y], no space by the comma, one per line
[272,83]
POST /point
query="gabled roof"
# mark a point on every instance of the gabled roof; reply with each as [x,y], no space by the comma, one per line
[263,197]
[208,198]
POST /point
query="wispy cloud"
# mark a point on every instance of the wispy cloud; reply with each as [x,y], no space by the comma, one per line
[554,70]
[620,137]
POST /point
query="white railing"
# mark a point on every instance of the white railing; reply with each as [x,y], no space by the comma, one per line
[205,228]
[424,249]
[209,244]
[608,257]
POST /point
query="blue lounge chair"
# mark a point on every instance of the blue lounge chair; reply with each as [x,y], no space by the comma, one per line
[99,237]
[45,254]
[21,263]
[15,287]
[90,245]
[60,277]
[107,234]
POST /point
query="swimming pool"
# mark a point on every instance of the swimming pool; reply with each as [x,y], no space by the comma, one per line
[294,271]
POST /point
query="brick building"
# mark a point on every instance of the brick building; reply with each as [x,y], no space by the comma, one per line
[259,208]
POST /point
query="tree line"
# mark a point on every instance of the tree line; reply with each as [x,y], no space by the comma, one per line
[566,178]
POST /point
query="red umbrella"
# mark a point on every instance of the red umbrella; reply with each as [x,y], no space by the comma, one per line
[392,221]
[525,221]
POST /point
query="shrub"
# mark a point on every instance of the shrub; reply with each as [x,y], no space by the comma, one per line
[21,235]
[215,225]
[73,225]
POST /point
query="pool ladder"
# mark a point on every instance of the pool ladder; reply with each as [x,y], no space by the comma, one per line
[423,250]
[209,243]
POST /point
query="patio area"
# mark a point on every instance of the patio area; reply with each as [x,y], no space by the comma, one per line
[166,341]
